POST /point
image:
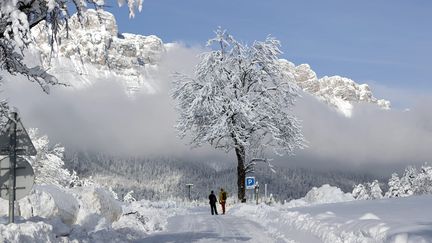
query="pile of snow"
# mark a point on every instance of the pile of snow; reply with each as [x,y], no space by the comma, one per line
[27,232]
[84,214]
[147,216]
[323,194]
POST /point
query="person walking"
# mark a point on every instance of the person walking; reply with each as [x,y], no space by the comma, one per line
[222,199]
[213,200]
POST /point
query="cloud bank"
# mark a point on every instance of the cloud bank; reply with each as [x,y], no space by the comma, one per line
[103,118]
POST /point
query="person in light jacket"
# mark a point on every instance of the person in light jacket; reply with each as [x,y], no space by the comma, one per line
[222,199]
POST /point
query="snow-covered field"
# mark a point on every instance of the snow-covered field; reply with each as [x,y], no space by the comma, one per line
[386,220]
[92,214]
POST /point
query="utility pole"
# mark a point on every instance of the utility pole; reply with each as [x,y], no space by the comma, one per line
[12,164]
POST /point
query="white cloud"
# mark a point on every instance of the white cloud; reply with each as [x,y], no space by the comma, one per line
[102,117]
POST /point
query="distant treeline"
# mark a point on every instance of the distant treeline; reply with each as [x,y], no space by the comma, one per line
[161,178]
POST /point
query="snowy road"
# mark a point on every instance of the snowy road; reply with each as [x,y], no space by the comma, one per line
[199,226]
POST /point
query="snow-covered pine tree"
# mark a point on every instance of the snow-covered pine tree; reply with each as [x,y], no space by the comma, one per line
[394,185]
[239,95]
[19,16]
[407,181]
[375,191]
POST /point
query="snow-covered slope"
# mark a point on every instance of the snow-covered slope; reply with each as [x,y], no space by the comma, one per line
[338,92]
[93,50]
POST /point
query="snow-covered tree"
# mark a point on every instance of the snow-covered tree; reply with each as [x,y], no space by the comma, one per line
[375,191]
[75,180]
[239,95]
[407,181]
[423,181]
[361,192]
[17,17]
[394,185]
[48,164]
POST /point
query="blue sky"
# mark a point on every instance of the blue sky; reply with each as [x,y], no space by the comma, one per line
[387,42]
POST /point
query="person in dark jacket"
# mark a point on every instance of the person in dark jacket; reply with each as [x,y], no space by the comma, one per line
[213,200]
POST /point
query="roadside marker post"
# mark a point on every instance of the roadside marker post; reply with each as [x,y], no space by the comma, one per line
[189,186]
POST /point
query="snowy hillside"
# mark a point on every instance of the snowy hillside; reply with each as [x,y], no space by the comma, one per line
[95,50]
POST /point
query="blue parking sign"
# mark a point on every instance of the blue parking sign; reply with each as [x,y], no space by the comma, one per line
[250,182]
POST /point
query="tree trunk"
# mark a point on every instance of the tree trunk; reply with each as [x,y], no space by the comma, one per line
[241,173]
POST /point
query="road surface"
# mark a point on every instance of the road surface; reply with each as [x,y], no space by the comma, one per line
[199,226]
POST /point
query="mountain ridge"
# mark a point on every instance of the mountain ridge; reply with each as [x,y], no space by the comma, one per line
[93,49]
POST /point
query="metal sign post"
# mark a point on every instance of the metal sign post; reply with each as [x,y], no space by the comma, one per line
[12,163]
[257,192]
[15,142]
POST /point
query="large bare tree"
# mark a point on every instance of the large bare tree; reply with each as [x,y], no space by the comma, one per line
[239,99]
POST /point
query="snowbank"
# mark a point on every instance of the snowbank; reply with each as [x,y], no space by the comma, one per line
[402,220]
[82,214]
[323,194]
[27,232]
